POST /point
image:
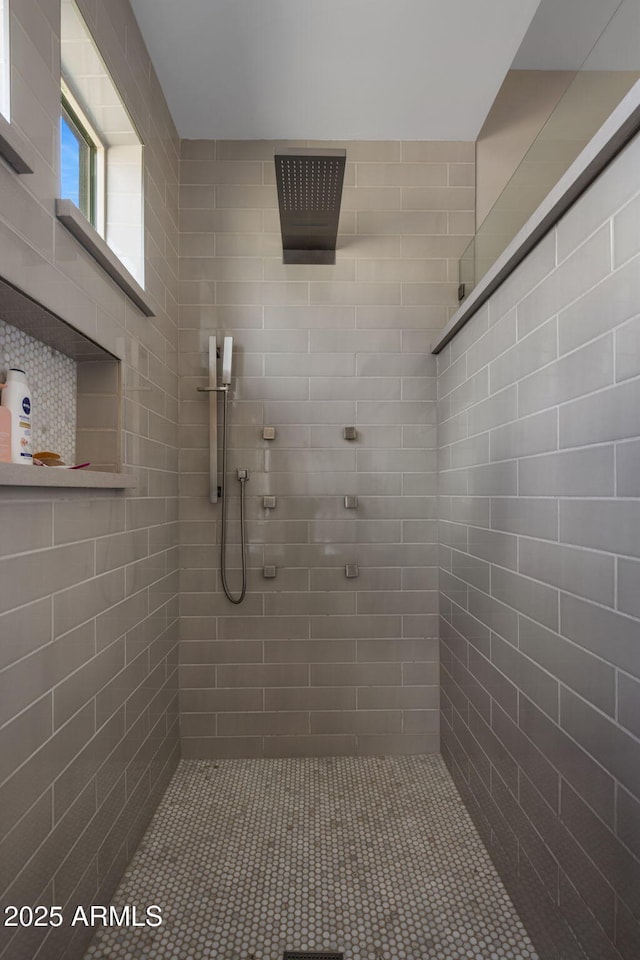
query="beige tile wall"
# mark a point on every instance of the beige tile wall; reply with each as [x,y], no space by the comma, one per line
[539,403]
[312,662]
[88,580]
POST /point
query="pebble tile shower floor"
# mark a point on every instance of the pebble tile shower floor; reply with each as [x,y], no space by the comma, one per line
[373,857]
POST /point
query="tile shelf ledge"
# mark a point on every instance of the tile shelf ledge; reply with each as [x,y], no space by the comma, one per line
[14,148]
[78,225]
[16,475]
[613,135]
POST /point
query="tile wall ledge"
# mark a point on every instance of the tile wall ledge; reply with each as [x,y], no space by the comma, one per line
[78,225]
[16,475]
[612,136]
[14,148]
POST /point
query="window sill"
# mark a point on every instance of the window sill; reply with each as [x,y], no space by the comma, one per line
[69,215]
[14,148]
[16,475]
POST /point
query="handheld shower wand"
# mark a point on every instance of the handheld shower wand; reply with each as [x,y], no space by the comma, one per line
[227,360]
[242,475]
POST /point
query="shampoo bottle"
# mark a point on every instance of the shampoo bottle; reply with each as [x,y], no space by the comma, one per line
[5,435]
[16,397]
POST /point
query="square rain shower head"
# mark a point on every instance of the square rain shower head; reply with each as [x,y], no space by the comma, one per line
[309,185]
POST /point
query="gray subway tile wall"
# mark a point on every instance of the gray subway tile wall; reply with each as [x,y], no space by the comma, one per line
[88,585]
[320,663]
[539,574]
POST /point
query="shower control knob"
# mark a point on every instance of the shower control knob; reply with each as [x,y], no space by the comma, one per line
[243,474]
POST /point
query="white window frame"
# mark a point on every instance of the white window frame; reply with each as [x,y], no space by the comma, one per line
[116,240]
[5,61]
[100,165]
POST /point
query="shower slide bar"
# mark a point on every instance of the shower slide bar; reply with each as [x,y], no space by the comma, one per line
[218,492]
[212,390]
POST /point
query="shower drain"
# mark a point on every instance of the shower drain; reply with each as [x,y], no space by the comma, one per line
[305,955]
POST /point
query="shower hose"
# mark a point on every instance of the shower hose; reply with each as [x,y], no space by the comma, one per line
[242,477]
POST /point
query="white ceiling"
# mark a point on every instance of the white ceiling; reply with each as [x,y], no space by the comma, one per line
[332,69]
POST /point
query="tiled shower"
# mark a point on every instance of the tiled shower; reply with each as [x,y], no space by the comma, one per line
[313,662]
[110,603]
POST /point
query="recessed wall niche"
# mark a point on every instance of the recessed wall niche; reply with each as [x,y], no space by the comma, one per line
[52,378]
[75,384]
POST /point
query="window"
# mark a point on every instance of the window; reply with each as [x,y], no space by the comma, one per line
[14,148]
[4,59]
[78,152]
[100,148]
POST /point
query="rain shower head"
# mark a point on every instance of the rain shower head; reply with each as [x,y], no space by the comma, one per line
[309,194]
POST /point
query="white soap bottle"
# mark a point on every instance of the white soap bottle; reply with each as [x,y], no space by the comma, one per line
[16,396]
